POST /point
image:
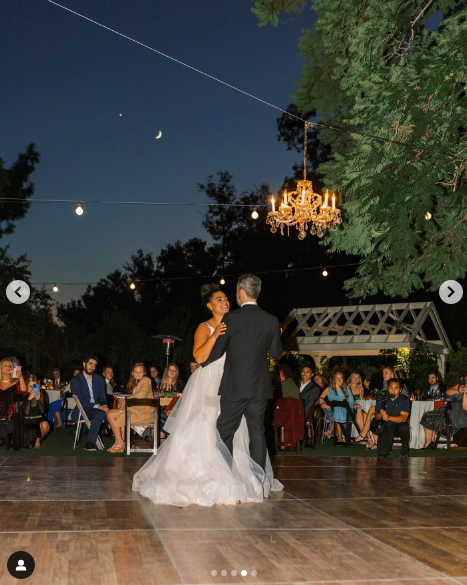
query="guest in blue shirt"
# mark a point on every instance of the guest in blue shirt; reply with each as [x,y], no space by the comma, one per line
[89,388]
[395,416]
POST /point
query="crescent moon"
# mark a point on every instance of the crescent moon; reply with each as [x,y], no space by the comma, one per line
[159,135]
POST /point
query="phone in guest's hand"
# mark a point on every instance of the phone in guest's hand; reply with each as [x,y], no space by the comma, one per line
[16,371]
[35,389]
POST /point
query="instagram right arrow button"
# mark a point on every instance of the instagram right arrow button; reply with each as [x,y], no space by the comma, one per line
[451,292]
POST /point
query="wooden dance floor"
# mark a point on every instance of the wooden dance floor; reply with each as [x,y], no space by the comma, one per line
[339,520]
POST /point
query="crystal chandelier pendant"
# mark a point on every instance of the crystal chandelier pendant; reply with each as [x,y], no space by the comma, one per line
[303,207]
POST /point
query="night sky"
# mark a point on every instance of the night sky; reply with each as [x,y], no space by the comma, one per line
[65,82]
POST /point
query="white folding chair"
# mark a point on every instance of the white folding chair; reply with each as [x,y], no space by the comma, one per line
[83,419]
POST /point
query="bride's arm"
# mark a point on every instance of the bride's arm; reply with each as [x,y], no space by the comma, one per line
[204,341]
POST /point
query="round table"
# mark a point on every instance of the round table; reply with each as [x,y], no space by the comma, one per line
[417,410]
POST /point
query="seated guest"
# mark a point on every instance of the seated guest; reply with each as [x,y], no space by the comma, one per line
[171,379]
[355,384]
[36,426]
[435,420]
[110,385]
[89,388]
[338,392]
[390,374]
[320,381]
[395,416]
[434,388]
[154,377]
[193,367]
[57,379]
[309,390]
[55,407]
[139,386]
[288,387]
[12,391]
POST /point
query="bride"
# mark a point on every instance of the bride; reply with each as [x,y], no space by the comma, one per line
[193,466]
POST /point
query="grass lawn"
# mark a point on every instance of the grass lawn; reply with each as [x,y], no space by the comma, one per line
[60,444]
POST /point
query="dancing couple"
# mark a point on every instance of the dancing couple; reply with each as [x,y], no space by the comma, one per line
[216,450]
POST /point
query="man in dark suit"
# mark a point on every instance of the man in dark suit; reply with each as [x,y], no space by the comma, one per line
[89,388]
[246,384]
[309,391]
[434,388]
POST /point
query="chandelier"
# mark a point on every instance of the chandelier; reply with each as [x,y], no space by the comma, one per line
[303,208]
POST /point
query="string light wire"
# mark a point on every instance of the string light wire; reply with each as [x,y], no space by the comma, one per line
[318,125]
[167,278]
[80,201]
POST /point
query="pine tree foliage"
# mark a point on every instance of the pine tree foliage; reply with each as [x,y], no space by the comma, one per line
[373,67]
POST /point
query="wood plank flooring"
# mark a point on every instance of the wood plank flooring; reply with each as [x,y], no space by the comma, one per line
[352,521]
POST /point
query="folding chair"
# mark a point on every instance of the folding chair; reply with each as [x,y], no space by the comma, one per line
[449,438]
[314,420]
[68,404]
[350,419]
[137,445]
[83,420]
[281,421]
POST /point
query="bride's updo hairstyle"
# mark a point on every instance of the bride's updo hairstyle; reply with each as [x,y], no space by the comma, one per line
[207,292]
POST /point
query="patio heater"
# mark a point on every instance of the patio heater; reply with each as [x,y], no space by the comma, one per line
[168,342]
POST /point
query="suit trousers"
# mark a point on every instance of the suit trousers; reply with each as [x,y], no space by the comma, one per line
[96,418]
[386,440]
[230,418]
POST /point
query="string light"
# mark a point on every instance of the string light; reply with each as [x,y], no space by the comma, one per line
[325,272]
[55,288]
[428,215]
[222,281]
[132,286]
[255,214]
[79,210]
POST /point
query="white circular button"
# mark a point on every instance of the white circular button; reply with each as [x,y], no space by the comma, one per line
[18,292]
[451,292]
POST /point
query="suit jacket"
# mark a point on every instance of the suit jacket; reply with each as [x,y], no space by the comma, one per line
[80,388]
[426,391]
[251,334]
[309,394]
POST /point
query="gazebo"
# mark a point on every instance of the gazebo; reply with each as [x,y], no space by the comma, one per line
[365,330]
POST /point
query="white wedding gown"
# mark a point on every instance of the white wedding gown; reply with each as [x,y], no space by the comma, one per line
[193,466]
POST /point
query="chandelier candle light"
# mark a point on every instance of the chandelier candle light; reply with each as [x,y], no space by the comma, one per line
[303,208]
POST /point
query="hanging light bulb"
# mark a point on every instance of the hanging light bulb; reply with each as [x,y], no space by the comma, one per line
[222,281]
[428,215]
[255,214]
[79,210]
[55,288]
[325,272]
[132,286]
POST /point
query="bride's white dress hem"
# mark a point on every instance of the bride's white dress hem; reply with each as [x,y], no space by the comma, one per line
[193,466]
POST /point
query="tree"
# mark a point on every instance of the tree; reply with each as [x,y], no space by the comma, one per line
[15,183]
[375,68]
[29,330]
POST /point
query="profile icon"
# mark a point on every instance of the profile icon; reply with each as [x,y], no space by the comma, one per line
[21,565]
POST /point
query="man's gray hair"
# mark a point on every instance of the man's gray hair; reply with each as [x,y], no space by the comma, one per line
[251,284]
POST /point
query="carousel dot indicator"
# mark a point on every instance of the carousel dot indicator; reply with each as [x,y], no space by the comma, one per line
[223,573]
[213,573]
[234,573]
[244,573]
[253,573]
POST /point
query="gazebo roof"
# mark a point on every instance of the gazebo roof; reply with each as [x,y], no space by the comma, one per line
[364,329]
